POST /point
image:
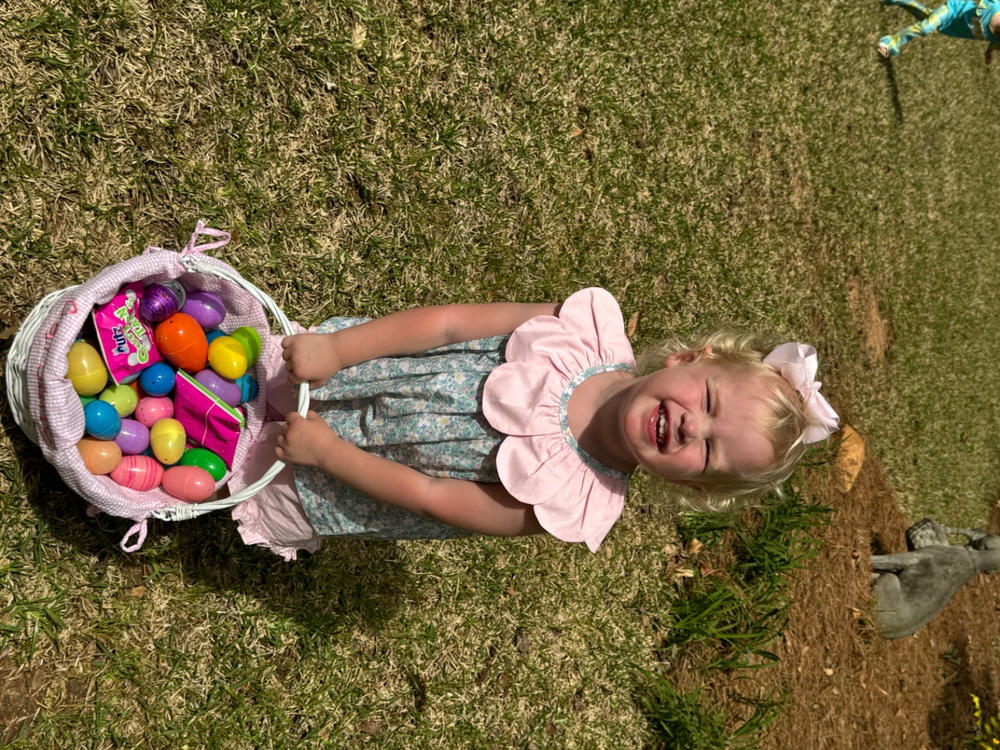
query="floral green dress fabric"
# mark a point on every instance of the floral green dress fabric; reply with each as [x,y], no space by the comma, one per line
[420,410]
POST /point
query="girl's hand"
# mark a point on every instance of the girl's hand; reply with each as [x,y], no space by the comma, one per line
[305,440]
[310,358]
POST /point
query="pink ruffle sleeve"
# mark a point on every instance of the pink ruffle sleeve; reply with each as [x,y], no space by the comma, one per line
[575,497]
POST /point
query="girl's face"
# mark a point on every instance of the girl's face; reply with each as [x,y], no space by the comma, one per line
[695,419]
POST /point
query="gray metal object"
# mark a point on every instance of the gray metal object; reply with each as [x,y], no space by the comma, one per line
[912,587]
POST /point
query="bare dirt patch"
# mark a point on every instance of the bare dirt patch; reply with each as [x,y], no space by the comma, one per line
[874,330]
[849,688]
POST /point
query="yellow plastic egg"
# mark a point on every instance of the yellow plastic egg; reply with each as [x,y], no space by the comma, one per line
[227,357]
[167,439]
[99,456]
[86,370]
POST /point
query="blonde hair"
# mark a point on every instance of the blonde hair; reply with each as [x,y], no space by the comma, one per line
[738,350]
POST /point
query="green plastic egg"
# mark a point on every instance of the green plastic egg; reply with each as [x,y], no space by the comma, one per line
[250,340]
[204,459]
[122,397]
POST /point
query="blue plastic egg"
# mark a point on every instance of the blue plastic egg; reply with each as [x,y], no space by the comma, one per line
[101,420]
[213,334]
[157,379]
[248,388]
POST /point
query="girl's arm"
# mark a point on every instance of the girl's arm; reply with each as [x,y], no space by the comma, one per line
[484,508]
[315,357]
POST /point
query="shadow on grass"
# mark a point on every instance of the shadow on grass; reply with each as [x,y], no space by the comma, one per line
[352,583]
[890,76]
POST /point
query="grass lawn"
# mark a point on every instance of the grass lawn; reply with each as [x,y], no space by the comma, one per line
[705,161]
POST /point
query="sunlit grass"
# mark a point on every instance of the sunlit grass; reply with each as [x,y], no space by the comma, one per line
[704,161]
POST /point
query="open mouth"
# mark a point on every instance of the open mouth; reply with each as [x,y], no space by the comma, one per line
[661,427]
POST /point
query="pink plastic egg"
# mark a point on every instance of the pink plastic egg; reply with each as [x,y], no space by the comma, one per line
[167,438]
[99,456]
[188,483]
[151,409]
[140,473]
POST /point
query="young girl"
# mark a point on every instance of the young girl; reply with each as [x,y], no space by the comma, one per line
[966,19]
[511,419]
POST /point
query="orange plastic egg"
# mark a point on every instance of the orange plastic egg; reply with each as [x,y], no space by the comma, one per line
[99,456]
[227,357]
[86,369]
[140,473]
[181,340]
[188,483]
[167,440]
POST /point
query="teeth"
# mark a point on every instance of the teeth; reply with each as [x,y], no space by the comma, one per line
[661,424]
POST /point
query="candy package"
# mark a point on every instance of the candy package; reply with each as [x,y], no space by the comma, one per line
[125,340]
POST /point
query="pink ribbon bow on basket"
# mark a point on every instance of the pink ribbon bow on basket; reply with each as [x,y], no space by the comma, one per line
[797,363]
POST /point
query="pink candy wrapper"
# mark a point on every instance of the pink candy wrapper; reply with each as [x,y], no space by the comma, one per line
[208,421]
[126,342]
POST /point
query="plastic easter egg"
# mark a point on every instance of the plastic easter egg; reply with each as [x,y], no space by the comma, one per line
[133,437]
[84,400]
[160,301]
[86,370]
[167,438]
[151,409]
[250,340]
[140,473]
[205,459]
[100,420]
[227,390]
[213,334]
[180,339]
[248,388]
[227,357]
[122,397]
[157,379]
[99,456]
[206,308]
[191,484]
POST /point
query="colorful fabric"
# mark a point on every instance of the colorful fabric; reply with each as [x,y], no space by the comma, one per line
[964,19]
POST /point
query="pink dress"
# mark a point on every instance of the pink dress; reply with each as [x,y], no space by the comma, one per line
[523,395]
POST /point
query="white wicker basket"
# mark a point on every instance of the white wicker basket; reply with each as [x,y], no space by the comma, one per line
[22,389]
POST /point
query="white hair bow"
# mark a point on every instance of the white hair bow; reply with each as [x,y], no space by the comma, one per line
[797,364]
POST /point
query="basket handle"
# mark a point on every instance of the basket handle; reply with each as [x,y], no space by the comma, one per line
[193,261]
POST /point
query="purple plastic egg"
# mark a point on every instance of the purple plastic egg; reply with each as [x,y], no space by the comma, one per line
[227,390]
[206,308]
[160,301]
[140,473]
[152,409]
[133,438]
